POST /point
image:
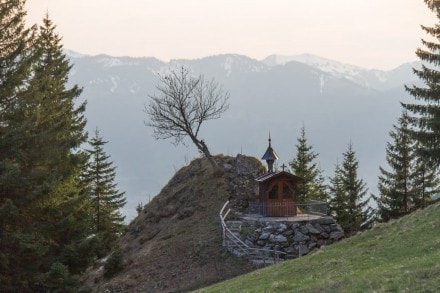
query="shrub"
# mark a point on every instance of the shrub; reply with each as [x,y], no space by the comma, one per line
[58,279]
[139,208]
[114,264]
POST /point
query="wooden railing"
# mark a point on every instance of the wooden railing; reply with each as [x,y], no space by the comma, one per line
[287,209]
[237,247]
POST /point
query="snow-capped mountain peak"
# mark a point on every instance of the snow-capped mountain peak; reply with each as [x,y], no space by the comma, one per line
[370,78]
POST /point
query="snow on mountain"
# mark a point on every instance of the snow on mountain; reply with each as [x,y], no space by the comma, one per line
[109,61]
[323,64]
[369,78]
[321,83]
[335,68]
[229,63]
[241,62]
[114,83]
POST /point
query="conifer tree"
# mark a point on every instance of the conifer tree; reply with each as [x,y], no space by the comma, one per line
[349,206]
[52,121]
[426,110]
[16,55]
[412,180]
[44,130]
[16,58]
[106,199]
[312,186]
[426,182]
[338,198]
[396,186]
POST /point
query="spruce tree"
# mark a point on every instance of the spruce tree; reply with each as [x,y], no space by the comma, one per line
[349,206]
[43,130]
[412,180]
[46,116]
[16,59]
[56,136]
[312,186]
[426,181]
[338,199]
[106,199]
[396,186]
[16,55]
[426,110]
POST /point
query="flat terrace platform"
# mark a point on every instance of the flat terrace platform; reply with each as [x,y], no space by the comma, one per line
[297,218]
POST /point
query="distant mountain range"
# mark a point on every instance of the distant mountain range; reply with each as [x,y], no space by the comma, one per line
[337,103]
[370,78]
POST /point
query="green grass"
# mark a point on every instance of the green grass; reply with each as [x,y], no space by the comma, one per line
[399,256]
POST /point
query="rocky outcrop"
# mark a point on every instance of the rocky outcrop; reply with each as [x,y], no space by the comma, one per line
[241,173]
[294,238]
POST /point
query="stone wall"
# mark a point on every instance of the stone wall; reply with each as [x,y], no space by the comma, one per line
[294,238]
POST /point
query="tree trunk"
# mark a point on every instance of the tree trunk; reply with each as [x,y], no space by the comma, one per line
[201,145]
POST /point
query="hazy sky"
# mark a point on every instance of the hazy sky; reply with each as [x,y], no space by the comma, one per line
[371,33]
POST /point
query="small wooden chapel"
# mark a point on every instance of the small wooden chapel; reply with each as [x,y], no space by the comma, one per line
[277,189]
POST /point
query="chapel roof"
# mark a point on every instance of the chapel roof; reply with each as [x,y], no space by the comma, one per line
[268,176]
[270,154]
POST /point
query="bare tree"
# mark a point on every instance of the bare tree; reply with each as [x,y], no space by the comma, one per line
[182,104]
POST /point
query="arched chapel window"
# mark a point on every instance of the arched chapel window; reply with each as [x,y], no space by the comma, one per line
[273,193]
[287,192]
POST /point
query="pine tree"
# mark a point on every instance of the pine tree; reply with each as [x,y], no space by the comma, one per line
[106,199]
[426,113]
[396,186]
[41,135]
[349,206]
[312,186]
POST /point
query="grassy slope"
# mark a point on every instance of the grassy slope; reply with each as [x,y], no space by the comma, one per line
[175,243]
[402,255]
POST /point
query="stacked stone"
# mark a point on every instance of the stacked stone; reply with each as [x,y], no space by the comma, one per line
[241,174]
[295,239]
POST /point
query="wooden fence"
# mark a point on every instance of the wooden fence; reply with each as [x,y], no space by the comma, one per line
[287,209]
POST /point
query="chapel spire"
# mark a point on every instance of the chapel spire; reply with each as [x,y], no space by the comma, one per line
[270,156]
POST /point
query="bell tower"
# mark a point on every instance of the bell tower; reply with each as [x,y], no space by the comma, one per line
[270,156]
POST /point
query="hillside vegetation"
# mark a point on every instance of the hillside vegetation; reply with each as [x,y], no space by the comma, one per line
[399,256]
[175,243]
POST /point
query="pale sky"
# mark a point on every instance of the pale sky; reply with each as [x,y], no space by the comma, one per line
[378,34]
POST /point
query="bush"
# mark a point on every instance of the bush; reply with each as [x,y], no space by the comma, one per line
[58,279]
[114,264]
[139,208]
[247,230]
[81,254]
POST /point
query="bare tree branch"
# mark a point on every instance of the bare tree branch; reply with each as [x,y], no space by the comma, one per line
[182,104]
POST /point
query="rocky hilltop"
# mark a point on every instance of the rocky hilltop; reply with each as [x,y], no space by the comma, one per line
[175,242]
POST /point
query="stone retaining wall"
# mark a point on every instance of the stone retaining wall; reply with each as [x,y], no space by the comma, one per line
[294,238]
